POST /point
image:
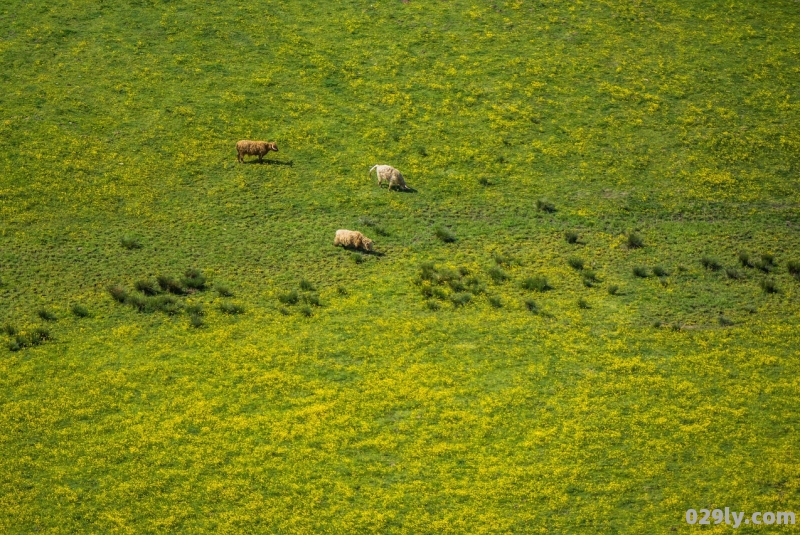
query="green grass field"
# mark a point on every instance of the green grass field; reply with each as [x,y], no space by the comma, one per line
[479,384]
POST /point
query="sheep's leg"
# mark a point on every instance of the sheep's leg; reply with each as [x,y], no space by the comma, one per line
[259,158]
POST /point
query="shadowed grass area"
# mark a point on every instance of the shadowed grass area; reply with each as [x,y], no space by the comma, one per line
[370,393]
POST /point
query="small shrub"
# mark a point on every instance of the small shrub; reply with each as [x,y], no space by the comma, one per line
[793,267]
[575,262]
[231,308]
[538,283]
[195,310]
[138,302]
[312,299]
[635,241]
[589,283]
[15,344]
[164,303]
[426,289]
[545,206]
[495,301]
[763,266]
[456,285]
[461,299]
[446,275]
[438,293]
[503,259]
[725,322]
[571,236]
[733,274]
[306,311]
[497,274]
[306,286]
[288,298]
[768,259]
[582,303]
[531,305]
[444,234]
[46,315]
[358,258]
[428,272]
[168,284]
[39,335]
[146,287]
[118,293]
[483,181]
[196,321]
[194,279]
[664,281]
[432,305]
[223,290]
[682,268]
[710,263]
[677,326]
[591,276]
[341,290]
[463,271]
[613,289]
[475,285]
[659,271]
[284,311]
[750,309]
[80,311]
[640,271]
[657,324]
[744,259]
[9,329]
[130,243]
[769,286]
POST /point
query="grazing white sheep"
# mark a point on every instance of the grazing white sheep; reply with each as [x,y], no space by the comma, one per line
[387,173]
[352,238]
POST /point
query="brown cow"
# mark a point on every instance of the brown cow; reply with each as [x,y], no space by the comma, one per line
[254,148]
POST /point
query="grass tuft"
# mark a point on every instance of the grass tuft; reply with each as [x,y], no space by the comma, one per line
[79,311]
[641,272]
[710,263]
[146,287]
[583,304]
[231,308]
[9,329]
[223,290]
[358,258]
[306,286]
[725,322]
[744,259]
[306,311]
[613,289]
[196,321]
[46,315]
[659,271]
[793,267]
[571,236]
[288,298]
[194,279]
[769,286]
[168,284]
[635,241]
[537,283]
[531,305]
[461,299]
[495,301]
[130,243]
[545,206]
[497,274]
[733,274]
[444,234]
[575,262]
[432,305]
[118,293]
[195,310]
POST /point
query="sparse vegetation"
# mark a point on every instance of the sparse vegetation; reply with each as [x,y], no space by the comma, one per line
[769,286]
[613,289]
[445,234]
[659,271]
[571,236]
[130,242]
[635,241]
[641,272]
[79,311]
[231,308]
[710,263]
[538,283]
[545,206]
[575,263]
[46,315]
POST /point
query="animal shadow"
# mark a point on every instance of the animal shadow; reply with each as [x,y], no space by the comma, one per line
[290,163]
[400,190]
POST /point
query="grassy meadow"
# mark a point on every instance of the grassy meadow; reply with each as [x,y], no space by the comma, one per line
[558,332]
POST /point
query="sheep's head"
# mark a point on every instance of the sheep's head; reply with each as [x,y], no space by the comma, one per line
[273,146]
[367,244]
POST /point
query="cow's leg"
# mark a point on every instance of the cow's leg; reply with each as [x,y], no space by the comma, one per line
[259,158]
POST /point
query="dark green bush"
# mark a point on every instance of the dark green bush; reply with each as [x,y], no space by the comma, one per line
[725,322]
[575,262]
[231,308]
[223,290]
[710,263]
[194,279]
[769,286]
[538,283]
[9,329]
[640,271]
[793,266]
[432,305]
[571,236]
[80,311]
[39,335]
[46,315]
[497,274]
[312,299]
[341,290]
[456,285]
[445,234]
[546,206]
[288,298]
[744,259]
[732,274]
[146,287]
[195,310]
[164,303]
[306,311]
[306,286]
[428,272]
[168,284]
[768,259]
[531,305]
[138,302]
[283,310]
[659,271]
[613,289]
[438,293]
[118,293]
[358,258]
[591,276]
[196,321]
[130,242]
[495,301]
[461,299]
[483,181]
[635,241]
[582,303]
[503,259]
